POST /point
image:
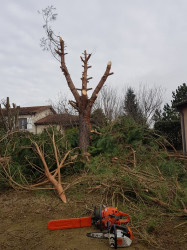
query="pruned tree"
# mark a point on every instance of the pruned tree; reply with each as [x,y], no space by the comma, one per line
[9,115]
[82,103]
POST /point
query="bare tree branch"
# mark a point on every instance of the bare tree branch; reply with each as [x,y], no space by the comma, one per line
[100,85]
[149,99]
[110,102]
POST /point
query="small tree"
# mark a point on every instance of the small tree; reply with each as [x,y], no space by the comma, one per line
[82,103]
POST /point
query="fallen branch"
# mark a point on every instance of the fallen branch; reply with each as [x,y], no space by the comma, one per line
[181,224]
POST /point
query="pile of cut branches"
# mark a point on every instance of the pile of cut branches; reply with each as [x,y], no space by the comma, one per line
[43,161]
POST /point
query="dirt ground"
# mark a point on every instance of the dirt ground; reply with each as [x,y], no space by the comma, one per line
[23,224]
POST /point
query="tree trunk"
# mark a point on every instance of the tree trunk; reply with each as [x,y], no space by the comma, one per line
[84,131]
[58,187]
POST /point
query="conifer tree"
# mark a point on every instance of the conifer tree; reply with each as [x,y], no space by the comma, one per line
[180,94]
[131,106]
[169,112]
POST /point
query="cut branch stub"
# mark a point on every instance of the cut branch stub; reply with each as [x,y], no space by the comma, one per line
[84,92]
[100,85]
[74,105]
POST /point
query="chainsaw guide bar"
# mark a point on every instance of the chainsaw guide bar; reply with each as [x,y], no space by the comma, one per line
[98,235]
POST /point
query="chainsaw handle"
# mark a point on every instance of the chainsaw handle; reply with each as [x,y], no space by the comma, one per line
[125,215]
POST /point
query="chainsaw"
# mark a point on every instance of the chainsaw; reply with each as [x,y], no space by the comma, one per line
[104,218]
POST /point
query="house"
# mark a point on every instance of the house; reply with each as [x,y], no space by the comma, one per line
[36,119]
[182,108]
[62,121]
[29,115]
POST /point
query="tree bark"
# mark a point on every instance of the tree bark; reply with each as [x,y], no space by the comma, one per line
[84,131]
[50,176]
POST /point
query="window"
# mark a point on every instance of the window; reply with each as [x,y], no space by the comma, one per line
[22,123]
[29,123]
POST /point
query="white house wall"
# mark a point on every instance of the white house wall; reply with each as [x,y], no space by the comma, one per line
[40,128]
[34,118]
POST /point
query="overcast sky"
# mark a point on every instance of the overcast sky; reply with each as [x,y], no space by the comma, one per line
[146,40]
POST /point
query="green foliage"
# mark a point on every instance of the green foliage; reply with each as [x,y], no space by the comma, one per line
[170,168]
[169,113]
[167,122]
[152,224]
[106,144]
[180,94]
[44,193]
[129,132]
[132,108]
[72,137]
[171,130]
[126,160]
[128,168]
[100,165]
[98,118]
[151,176]
[25,165]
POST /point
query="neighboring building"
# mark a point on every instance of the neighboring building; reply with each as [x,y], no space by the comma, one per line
[28,116]
[182,108]
[62,121]
[36,119]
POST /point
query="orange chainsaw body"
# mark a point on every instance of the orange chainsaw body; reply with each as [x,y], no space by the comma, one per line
[112,216]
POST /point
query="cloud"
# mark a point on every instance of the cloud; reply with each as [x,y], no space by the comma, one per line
[145,40]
